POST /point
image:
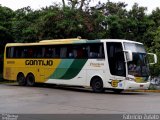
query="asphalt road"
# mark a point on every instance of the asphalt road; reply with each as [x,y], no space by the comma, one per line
[64,100]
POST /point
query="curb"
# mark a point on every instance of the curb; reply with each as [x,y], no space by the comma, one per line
[154,91]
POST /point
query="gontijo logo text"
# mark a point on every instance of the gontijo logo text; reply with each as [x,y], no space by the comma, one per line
[39,62]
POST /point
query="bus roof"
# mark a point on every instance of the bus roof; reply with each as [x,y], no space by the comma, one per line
[70,41]
[119,40]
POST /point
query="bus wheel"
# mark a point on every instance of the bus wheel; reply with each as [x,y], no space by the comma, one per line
[30,79]
[21,79]
[97,85]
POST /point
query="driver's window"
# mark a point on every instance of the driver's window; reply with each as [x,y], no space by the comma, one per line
[116,59]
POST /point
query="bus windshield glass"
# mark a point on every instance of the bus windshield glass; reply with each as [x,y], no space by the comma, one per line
[139,66]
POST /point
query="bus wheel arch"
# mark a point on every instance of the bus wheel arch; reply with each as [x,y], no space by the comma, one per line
[21,79]
[97,84]
[30,79]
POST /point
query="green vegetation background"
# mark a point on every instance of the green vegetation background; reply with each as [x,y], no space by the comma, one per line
[77,18]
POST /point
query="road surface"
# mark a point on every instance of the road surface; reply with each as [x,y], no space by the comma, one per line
[64,100]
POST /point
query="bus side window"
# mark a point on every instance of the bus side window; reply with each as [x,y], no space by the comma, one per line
[57,52]
[70,51]
[17,52]
[38,52]
[101,52]
[74,51]
[43,52]
[85,52]
[48,51]
[96,51]
[9,52]
[63,52]
[25,52]
[81,51]
[30,52]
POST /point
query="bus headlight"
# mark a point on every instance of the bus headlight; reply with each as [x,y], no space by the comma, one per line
[130,78]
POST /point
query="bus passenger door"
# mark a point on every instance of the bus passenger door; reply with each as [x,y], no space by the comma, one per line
[116,64]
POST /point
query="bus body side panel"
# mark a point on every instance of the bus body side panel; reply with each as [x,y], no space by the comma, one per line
[69,72]
[96,68]
[38,69]
[92,68]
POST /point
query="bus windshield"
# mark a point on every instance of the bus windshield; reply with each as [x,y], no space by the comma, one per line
[139,66]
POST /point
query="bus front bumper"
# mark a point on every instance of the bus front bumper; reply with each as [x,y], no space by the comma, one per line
[131,85]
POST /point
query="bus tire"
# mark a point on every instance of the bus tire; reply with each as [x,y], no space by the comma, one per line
[21,79]
[97,85]
[30,79]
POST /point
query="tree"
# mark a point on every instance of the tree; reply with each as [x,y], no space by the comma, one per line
[76,4]
[6,16]
[155,16]
[25,25]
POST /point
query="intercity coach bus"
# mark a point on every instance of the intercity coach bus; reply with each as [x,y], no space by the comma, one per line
[99,64]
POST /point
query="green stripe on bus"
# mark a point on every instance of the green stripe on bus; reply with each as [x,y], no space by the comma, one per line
[74,69]
[62,68]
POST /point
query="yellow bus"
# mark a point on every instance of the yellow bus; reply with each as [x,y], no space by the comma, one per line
[100,64]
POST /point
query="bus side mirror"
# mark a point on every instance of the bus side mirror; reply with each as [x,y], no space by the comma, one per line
[129,55]
[154,58]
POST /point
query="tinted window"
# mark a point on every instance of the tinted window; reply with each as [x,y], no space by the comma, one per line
[96,51]
[78,51]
